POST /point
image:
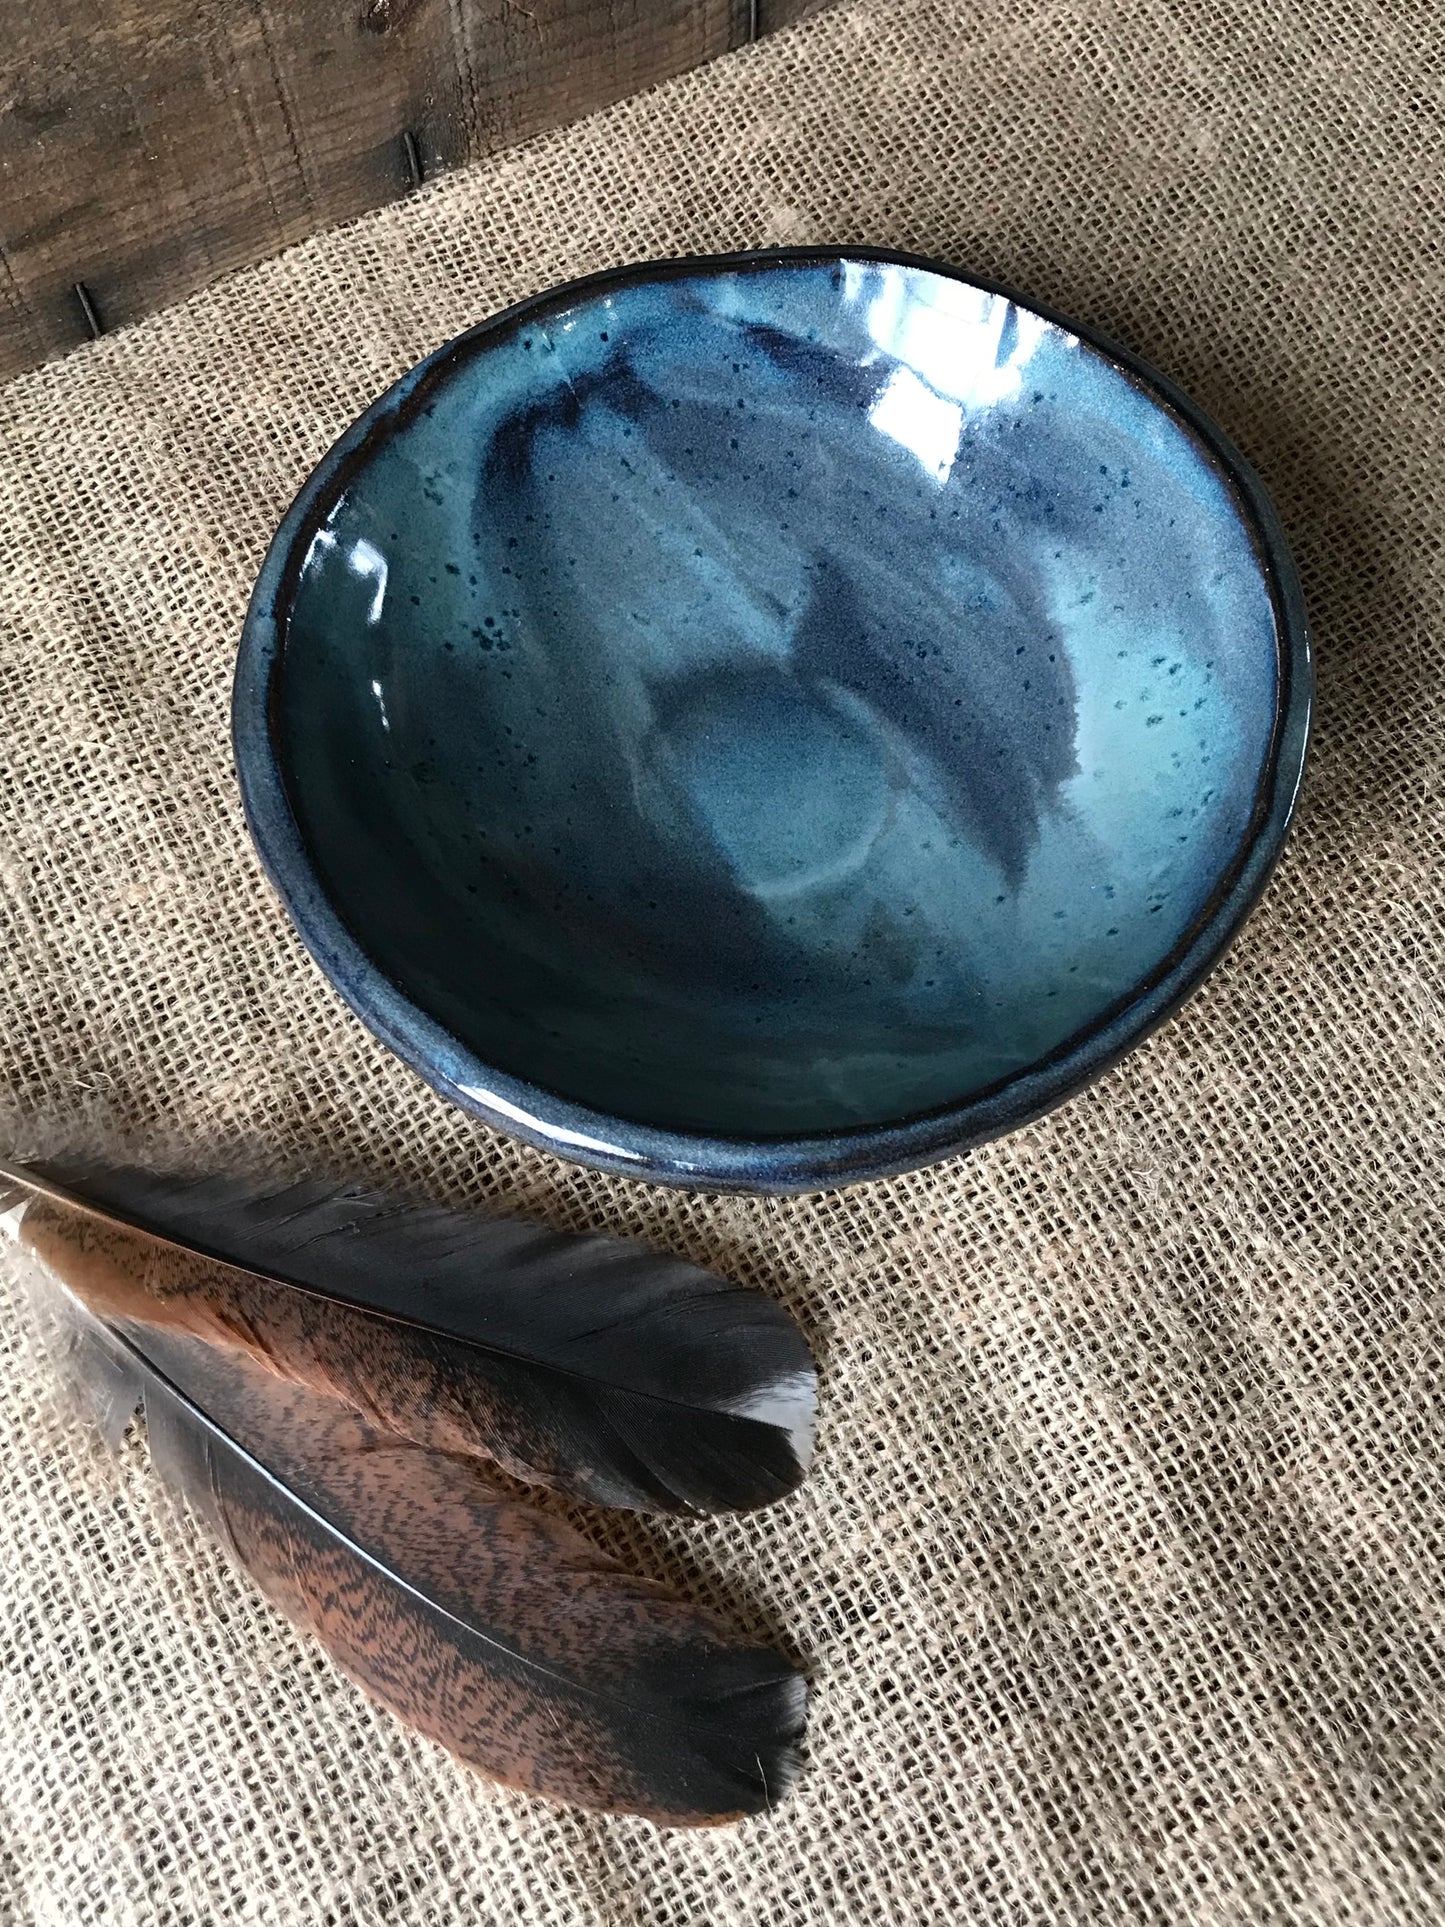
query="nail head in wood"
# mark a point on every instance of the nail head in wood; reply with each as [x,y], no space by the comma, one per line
[88,309]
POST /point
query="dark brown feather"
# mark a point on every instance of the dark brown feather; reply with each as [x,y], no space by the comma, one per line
[125,1277]
[606,1371]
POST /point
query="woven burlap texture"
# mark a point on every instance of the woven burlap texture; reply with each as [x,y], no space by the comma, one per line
[1120,1572]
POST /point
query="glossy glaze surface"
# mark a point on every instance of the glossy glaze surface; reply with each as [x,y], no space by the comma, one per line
[771,701]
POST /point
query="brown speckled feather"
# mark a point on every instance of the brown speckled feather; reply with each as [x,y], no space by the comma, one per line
[482,1622]
[607,1371]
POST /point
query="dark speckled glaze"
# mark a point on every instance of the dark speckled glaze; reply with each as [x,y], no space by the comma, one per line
[764,722]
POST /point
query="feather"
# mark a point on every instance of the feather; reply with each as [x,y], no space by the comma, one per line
[478,1619]
[604,1370]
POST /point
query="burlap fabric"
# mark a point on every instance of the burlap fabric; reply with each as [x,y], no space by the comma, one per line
[1120,1571]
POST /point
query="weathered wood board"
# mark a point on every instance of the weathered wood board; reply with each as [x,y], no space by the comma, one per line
[149,146]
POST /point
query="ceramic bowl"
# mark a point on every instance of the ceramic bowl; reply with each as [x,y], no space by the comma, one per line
[764,722]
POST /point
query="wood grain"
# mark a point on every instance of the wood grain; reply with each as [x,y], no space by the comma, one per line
[149,146]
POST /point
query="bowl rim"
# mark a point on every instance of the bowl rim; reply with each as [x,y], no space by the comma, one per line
[703,1160]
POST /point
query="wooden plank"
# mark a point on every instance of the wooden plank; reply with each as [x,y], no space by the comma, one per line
[149,146]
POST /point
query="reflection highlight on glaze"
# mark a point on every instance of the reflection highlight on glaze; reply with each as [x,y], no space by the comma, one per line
[367,561]
[970,346]
[535,1126]
[911,414]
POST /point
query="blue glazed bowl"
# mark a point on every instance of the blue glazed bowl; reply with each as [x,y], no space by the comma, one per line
[764,722]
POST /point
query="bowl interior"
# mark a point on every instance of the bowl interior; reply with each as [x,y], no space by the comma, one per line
[770,702]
